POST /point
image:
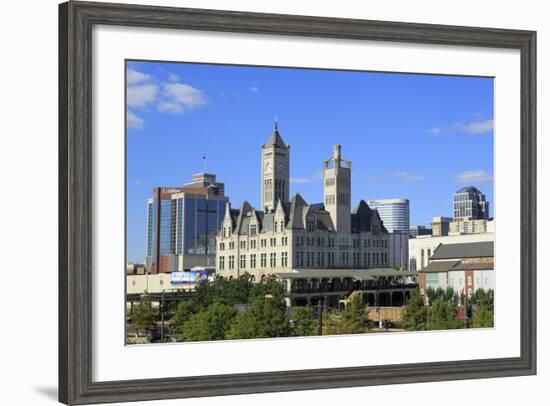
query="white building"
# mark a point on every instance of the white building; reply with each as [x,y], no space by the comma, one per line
[290,235]
[464,267]
[421,248]
[471,226]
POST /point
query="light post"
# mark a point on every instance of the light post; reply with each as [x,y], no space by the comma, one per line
[162,317]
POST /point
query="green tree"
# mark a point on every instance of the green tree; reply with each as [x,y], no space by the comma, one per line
[142,316]
[354,318]
[183,312]
[415,315]
[483,308]
[303,322]
[209,324]
[442,316]
[449,295]
[483,317]
[243,326]
[266,315]
[223,290]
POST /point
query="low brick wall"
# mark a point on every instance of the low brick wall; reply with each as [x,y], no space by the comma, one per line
[394,314]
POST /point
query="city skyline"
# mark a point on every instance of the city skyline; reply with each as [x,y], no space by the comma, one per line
[178,113]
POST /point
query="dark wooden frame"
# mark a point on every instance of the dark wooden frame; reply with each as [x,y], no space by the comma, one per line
[76,20]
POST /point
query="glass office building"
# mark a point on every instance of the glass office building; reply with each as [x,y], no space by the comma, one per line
[394,214]
[470,204]
[190,217]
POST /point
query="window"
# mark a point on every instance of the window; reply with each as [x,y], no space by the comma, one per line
[222,263]
[231,245]
[284,259]
[263,260]
[222,246]
[253,261]
[242,262]
[272,259]
[253,244]
[231,261]
[243,245]
[253,230]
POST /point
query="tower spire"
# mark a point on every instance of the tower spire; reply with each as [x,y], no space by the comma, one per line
[276,123]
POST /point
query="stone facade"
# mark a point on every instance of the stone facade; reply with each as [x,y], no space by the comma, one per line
[297,235]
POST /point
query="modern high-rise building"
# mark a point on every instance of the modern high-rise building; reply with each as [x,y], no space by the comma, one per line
[182,223]
[470,204]
[394,213]
[416,230]
[395,216]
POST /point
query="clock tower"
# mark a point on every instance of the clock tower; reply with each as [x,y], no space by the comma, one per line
[275,171]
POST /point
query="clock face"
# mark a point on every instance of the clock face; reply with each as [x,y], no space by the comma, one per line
[267,166]
[280,167]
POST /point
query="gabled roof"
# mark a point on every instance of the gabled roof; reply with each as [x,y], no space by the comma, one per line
[275,139]
[467,250]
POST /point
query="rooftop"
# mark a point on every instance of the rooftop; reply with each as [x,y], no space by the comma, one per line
[358,274]
[466,250]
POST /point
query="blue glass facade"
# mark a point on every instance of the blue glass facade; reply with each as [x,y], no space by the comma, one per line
[188,225]
[202,222]
[150,222]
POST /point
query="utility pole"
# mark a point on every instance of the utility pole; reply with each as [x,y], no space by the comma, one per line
[321,305]
[162,317]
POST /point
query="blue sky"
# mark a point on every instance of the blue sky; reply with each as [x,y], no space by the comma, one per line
[420,137]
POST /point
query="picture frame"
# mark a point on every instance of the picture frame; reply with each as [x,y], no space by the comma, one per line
[76,20]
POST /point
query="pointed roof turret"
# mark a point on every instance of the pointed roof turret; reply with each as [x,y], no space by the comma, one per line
[275,139]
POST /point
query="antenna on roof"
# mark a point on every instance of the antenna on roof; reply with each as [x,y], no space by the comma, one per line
[203,163]
[276,124]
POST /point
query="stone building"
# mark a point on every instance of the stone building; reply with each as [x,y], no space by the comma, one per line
[286,236]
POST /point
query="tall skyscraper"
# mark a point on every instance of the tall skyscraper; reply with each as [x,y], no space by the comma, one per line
[395,216]
[394,213]
[337,189]
[182,223]
[275,171]
[470,204]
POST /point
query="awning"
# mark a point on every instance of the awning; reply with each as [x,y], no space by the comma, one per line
[439,266]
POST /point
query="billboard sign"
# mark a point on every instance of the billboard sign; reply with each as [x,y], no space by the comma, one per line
[177,278]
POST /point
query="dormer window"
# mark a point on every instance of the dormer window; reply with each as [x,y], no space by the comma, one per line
[253,230]
[310,225]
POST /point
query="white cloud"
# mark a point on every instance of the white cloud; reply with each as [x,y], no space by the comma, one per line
[169,107]
[133,76]
[184,94]
[133,121]
[141,95]
[478,127]
[317,175]
[435,131]
[299,181]
[474,127]
[404,176]
[172,77]
[474,176]
[254,89]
